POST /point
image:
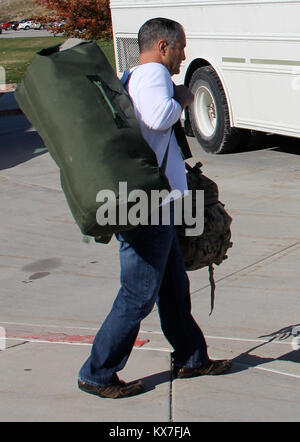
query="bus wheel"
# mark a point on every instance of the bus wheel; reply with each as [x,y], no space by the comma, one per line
[209,115]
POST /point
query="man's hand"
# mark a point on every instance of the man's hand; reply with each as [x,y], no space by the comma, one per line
[183,95]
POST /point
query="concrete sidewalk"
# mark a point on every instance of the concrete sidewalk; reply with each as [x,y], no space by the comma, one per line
[56,291]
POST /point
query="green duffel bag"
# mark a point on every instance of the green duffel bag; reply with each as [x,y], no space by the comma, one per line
[85,117]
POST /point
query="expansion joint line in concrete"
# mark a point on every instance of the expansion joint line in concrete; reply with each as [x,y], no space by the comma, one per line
[171,408]
[249,266]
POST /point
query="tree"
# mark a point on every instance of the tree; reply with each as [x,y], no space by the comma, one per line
[86,19]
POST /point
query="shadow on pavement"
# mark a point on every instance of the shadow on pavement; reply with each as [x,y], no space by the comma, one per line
[242,362]
[153,380]
[256,141]
[18,143]
[279,143]
[254,360]
[17,152]
[282,334]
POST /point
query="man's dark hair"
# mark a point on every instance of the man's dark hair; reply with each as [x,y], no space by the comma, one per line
[158,29]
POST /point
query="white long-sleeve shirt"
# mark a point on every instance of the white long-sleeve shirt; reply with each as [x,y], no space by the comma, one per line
[151,90]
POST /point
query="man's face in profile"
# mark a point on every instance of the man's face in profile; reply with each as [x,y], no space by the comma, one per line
[175,54]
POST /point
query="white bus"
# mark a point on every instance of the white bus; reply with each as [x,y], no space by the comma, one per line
[242,63]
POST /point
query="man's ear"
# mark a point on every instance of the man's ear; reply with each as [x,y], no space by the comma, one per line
[162,45]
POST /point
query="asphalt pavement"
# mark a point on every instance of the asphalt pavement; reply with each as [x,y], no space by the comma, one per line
[23,33]
[56,290]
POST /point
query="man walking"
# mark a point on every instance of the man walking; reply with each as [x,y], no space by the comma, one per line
[152,266]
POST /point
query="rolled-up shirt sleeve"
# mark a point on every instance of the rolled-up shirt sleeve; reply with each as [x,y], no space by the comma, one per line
[154,99]
[151,91]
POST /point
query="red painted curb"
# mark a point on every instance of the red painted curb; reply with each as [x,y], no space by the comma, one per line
[62,337]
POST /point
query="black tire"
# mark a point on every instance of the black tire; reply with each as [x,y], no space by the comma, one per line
[209,115]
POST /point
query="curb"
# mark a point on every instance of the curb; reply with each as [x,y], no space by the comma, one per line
[10,87]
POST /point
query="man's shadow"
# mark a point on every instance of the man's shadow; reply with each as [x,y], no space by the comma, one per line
[240,363]
[246,360]
[153,380]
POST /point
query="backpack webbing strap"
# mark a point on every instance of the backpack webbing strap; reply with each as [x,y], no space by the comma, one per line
[212,286]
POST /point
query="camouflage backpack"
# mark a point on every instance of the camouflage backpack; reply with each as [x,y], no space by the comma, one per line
[210,247]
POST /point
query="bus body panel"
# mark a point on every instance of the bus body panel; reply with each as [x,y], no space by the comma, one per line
[252,45]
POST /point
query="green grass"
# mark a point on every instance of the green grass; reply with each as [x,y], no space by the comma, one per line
[16,54]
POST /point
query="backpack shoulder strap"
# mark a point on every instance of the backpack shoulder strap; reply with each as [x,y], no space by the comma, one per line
[182,141]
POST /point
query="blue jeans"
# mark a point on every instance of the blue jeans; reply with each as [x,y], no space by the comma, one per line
[152,270]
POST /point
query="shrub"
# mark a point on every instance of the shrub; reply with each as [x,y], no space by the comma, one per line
[86,19]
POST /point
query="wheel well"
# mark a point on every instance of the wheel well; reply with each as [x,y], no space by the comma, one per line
[198,63]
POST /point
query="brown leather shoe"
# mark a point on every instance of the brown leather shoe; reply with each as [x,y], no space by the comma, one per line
[212,368]
[116,391]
